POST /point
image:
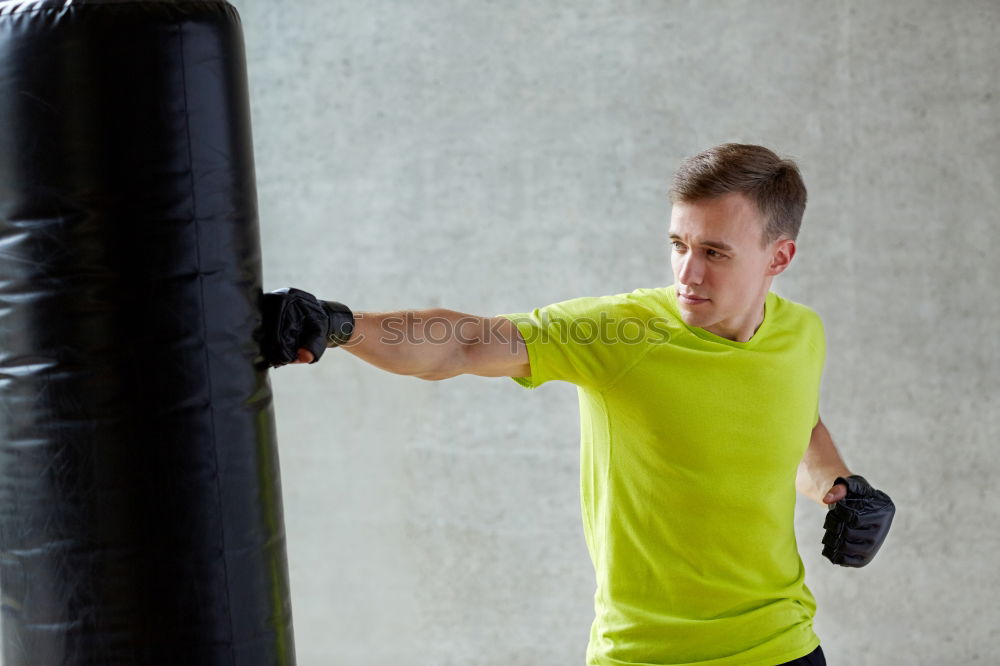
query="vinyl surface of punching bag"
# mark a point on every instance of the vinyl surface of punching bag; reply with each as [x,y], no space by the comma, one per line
[140,505]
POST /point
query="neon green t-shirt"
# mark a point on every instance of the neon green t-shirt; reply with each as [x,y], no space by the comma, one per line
[689,448]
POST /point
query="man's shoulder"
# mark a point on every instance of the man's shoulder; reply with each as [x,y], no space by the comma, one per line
[794,313]
[800,320]
[643,303]
[636,318]
[653,301]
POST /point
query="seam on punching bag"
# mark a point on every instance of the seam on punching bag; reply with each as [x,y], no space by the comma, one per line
[204,332]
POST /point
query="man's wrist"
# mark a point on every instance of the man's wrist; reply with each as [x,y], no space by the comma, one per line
[340,323]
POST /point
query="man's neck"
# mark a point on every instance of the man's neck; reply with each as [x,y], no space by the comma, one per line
[742,330]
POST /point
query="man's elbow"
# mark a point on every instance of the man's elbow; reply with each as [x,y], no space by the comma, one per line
[435,375]
[446,367]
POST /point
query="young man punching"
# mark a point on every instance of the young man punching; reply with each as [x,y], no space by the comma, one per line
[699,420]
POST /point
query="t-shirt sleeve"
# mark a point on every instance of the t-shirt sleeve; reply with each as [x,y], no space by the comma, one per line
[585,341]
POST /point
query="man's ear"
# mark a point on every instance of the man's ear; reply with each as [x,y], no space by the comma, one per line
[781,256]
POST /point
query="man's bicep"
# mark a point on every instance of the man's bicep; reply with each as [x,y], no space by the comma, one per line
[497,351]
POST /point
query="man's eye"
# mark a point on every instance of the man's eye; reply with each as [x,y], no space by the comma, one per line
[715,255]
[677,245]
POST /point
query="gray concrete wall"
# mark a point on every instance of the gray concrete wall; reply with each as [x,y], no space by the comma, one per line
[493,157]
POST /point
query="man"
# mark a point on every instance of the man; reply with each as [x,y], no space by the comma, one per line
[700,418]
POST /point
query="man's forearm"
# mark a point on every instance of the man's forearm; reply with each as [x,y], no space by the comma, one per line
[420,343]
[820,466]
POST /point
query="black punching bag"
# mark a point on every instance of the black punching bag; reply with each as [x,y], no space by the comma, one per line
[140,505]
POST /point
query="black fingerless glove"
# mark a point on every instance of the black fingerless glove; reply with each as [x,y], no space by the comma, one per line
[296,319]
[857,525]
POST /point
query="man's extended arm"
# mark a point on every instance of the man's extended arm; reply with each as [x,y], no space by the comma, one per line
[438,344]
[820,466]
[430,344]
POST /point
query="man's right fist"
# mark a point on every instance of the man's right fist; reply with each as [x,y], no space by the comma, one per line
[295,319]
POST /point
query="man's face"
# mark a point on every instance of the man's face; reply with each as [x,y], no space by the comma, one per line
[722,271]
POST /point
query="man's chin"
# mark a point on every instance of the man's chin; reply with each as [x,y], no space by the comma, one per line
[697,319]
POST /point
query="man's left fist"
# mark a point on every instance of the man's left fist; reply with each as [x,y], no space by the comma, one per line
[857,525]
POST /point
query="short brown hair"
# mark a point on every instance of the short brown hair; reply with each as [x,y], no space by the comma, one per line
[772,183]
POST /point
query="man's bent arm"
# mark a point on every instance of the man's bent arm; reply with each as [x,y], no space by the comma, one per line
[437,344]
[820,466]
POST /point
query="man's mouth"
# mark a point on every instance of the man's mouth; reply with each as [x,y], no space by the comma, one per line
[689,299]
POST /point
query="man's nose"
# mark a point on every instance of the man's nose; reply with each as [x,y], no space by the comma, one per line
[692,270]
